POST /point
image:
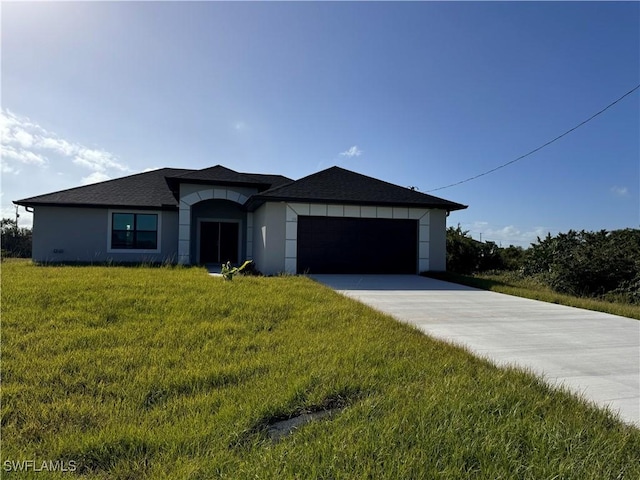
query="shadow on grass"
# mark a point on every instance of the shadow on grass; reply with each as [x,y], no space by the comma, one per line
[475,282]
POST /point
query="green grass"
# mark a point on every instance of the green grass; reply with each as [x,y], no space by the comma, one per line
[138,373]
[512,283]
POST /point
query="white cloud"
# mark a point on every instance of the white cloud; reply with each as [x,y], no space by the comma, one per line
[27,142]
[24,138]
[50,161]
[352,152]
[5,168]
[95,177]
[9,212]
[620,191]
[506,235]
[58,145]
[22,155]
[97,160]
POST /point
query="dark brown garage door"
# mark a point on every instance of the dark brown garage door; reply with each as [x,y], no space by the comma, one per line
[356,245]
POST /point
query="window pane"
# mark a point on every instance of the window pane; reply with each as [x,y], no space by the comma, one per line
[122,221]
[146,222]
[122,239]
[146,240]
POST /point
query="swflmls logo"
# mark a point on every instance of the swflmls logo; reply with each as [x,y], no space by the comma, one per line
[43,466]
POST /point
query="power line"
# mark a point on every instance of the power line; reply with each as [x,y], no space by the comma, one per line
[540,147]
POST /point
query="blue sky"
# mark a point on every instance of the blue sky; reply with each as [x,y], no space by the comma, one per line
[417,94]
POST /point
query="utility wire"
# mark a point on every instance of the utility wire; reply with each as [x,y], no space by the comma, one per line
[540,147]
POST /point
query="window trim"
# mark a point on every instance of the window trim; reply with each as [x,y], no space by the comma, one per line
[110,213]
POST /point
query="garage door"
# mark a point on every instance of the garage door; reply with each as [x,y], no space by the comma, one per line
[356,245]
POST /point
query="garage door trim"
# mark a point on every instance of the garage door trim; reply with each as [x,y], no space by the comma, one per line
[293,210]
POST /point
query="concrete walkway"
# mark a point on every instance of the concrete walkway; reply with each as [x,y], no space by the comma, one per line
[591,353]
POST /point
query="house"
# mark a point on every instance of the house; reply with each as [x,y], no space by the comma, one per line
[333,221]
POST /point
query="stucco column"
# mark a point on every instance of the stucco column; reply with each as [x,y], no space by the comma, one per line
[184,233]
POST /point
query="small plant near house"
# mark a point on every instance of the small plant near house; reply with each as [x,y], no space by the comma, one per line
[228,271]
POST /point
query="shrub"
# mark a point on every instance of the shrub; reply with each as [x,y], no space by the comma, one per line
[466,255]
[588,263]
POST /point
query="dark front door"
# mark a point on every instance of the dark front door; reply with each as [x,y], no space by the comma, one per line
[219,242]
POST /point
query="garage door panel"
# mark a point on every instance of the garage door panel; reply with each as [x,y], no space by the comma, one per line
[356,245]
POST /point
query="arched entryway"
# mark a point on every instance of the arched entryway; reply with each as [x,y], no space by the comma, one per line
[214,227]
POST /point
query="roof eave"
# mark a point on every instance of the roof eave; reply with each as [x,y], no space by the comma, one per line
[27,203]
[256,201]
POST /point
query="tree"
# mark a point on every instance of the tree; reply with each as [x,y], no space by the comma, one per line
[15,241]
[466,255]
[490,257]
[512,257]
[462,251]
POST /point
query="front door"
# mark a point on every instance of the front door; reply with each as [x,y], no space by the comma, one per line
[219,242]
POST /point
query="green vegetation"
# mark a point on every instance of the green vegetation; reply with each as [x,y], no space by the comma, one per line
[15,241]
[601,268]
[228,271]
[466,255]
[167,372]
[514,283]
[590,264]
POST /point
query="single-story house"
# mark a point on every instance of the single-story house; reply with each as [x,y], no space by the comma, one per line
[333,221]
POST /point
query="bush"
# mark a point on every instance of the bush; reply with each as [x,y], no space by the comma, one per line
[466,255]
[591,264]
[462,251]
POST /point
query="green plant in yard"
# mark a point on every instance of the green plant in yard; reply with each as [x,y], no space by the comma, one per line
[590,264]
[228,271]
[163,373]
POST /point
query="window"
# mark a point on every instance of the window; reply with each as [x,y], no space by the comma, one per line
[134,231]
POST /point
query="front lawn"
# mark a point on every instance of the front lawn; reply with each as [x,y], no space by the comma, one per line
[136,373]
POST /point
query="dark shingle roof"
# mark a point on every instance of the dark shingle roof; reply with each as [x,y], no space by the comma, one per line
[143,190]
[337,185]
[220,175]
[156,189]
[273,180]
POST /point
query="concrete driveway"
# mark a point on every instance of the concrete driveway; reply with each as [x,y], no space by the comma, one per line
[593,354]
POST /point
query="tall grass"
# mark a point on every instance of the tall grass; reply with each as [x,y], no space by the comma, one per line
[513,283]
[168,373]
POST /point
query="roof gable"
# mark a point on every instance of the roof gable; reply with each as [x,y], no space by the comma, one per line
[220,175]
[273,180]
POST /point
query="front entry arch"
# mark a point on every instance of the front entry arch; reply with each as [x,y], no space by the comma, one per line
[188,228]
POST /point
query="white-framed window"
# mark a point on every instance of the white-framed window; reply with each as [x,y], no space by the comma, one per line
[134,231]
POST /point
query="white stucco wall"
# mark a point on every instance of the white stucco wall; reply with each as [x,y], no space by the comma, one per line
[269,238]
[275,240]
[437,241]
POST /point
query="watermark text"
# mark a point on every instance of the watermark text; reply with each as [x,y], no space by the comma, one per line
[39,465]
